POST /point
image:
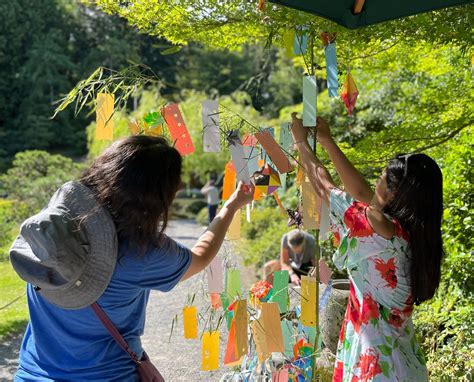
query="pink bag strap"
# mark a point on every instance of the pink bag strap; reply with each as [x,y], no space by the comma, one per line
[114,332]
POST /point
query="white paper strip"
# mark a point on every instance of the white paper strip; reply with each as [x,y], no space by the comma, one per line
[210,122]
[238,157]
[310,93]
[324,221]
[215,276]
[251,156]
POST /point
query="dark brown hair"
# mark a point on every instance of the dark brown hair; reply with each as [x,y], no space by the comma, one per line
[136,180]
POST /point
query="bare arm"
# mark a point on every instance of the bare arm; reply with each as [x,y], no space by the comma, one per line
[285,266]
[354,182]
[210,242]
[318,174]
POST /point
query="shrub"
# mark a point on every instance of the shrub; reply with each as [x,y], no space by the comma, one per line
[202,216]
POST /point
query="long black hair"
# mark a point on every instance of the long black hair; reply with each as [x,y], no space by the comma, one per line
[136,179]
[417,204]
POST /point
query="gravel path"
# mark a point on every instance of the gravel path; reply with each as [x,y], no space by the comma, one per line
[177,359]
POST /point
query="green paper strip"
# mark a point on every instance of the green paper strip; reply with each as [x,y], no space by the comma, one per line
[288,336]
[280,290]
[233,286]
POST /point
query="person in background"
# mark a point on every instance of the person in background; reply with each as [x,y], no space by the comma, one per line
[296,256]
[212,194]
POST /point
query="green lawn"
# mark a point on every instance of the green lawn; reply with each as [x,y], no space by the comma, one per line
[15,316]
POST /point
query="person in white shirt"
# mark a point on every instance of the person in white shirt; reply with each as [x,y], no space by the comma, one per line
[213,198]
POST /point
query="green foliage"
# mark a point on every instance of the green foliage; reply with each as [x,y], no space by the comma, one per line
[35,176]
[11,214]
[202,217]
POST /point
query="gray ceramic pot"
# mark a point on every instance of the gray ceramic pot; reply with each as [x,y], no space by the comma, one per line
[332,316]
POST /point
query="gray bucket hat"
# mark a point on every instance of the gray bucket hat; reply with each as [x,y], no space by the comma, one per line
[69,250]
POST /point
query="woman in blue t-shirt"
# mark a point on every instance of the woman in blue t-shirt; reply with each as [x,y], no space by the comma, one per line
[102,239]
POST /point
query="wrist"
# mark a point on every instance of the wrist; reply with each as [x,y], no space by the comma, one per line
[325,143]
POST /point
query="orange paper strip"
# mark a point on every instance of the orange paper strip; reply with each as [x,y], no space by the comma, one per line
[133,127]
[274,151]
[241,324]
[178,131]
[272,327]
[210,351]
[308,301]
[259,339]
[104,129]
[230,177]
[230,357]
[190,322]
[279,203]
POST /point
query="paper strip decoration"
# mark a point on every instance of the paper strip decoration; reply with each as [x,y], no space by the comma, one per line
[210,124]
[104,129]
[230,357]
[310,207]
[349,93]
[324,221]
[210,351]
[323,301]
[308,333]
[267,180]
[154,124]
[325,272]
[288,43]
[233,286]
[308,301]
[249,140]
[286,139]
[279,203]
[190,322]
[216,302]
[300,43]
[288,336]
[310,94]
[215,276]
[260,341]
[133,127]
[272,327]
[229,181]
[251,156]
[225,304]
[233,232]
[258,194]
[178,131]
[280,376]
[241,324]
[280,290]
[274,151]
[238,157]
[331,69]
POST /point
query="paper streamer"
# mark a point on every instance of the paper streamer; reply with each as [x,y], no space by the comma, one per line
[325,272]
[216,302]
[190,322]
[241,324]
[310,94]
[233,232]
[288,43]
[280,290]
[215,276]
[229,181]
[274,151]
[238,157]
[280,376]
[308,301]
[259,339]
[178,131]
[300,43]
[288,336]
[249,140]
[349,93]
[230,357]
[210,351]
[233,285]
[331,69]
[104,129]
[272,327]
[323,301]
[133,127]
[210,124]
[225,304]
[310,207]
[279,203]
[324,226]
[251,156]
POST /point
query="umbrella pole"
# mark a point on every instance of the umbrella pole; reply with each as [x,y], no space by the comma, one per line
[317,251]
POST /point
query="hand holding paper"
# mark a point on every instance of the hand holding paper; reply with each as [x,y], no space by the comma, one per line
[241,196]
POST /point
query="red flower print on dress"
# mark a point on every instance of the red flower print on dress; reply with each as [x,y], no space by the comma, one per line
[338,372]
[387,271]
[395,318]
[368,366]
[407,311]
[370,309]
[358,316]
[399,231]
[356,221]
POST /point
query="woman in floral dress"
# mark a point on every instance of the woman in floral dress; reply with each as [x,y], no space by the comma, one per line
[391,246]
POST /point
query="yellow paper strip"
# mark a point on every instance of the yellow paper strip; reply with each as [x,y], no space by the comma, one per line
[190,322]
[241,324]
[310,206]
[308,301]
[210,351]
[233,233]
[272,327]
[104,129]
[259,339]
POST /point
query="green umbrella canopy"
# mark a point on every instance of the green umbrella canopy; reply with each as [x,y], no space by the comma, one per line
[373,11]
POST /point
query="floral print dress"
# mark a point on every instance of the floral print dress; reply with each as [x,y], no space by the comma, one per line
[377,340]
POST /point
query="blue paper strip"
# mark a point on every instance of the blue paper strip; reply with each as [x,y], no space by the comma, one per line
[310,94]
[325,297]
[331,69]
[300,43]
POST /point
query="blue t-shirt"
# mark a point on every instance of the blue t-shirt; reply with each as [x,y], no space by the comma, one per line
[73,345]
